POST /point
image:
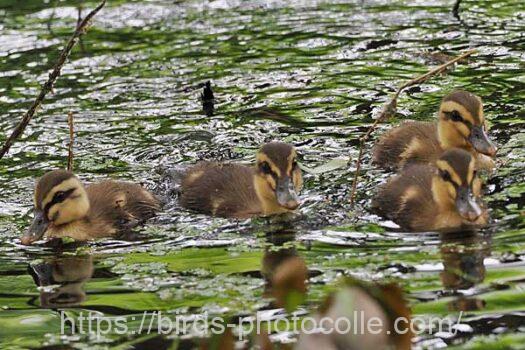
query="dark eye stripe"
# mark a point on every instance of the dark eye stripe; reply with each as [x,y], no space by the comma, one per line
[58,198]
[445,175]
[265,168]
[458,118]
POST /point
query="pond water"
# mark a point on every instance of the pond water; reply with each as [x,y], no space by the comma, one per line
[312,73]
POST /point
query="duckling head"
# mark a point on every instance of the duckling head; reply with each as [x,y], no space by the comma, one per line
[462,123]
[59,199]
[456,184]
[278,178]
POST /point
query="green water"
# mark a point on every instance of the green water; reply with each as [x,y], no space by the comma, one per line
[310,73]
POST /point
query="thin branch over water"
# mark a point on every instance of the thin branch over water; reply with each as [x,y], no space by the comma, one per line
[71,141]
[48,85]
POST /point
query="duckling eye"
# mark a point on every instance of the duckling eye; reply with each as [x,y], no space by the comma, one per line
[59,196]
[294,164]
[455,116]
[445,175]
[265,168]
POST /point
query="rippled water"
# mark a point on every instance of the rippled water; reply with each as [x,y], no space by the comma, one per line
[313,73]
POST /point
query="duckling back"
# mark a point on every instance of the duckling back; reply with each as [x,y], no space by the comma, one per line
[217,189]
[410,143]
[407,198]
[120,205]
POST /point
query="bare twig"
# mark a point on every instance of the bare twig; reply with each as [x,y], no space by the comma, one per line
[71,141]
[48,86]
[390,109]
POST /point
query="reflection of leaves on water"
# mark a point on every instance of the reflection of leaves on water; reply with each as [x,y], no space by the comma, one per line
[196,135]
[273,114]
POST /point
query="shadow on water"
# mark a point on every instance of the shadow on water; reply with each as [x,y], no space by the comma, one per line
[313,75]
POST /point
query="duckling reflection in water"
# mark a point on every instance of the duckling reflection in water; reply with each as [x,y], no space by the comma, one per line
[463,260]
[284,271]
[461,124]
[233,190]
[463,256]
[441,197]
[287,276]
[64,207]
[70,273]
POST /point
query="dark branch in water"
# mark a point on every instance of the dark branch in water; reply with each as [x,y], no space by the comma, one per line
[455,9]
[207,92]
[208,100]
[48,86]
[390,109]
[71,141]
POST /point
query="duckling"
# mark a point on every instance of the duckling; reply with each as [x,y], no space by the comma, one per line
[64,207]
[234,190]
[425,197]
[461,124]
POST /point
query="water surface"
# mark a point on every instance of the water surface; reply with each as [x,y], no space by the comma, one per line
[312,73]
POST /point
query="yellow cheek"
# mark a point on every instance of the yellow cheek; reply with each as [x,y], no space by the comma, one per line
[70,210]
[53,211]
[263,187]
[451,190]
[297,180]
[271,182]
[476,187]
[463,129]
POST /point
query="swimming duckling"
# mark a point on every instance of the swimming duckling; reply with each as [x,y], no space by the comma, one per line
[427,197]
[234,190]
[64,207]
[461,124]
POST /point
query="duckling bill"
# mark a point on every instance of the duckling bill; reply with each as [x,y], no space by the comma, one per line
[64,207]
[461,124]
[234,190]
[441,197]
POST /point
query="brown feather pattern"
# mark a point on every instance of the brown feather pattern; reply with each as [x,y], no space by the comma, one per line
[418,208]
[220,189]
[120,205]
[389,152]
